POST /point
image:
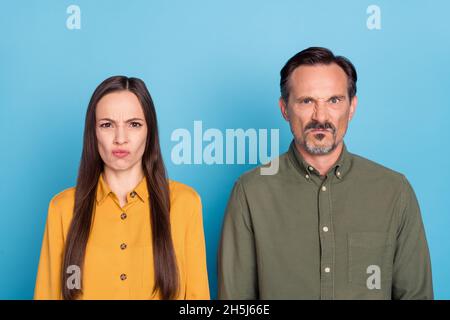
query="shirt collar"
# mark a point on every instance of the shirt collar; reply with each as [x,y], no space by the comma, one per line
[103,190]
[339,169]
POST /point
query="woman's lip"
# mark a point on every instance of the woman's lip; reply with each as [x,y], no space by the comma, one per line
[120,154]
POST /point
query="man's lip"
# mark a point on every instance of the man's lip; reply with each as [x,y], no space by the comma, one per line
[319,130]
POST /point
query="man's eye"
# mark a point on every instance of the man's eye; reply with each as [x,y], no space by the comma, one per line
[105,125]
[306,101]
[335,100]
[135,124]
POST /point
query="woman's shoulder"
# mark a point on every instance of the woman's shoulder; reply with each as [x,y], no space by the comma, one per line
[64,198]
[61,205]
[185,203]
[181,191]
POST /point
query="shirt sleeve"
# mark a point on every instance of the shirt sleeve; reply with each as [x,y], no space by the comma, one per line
[48,280]
[197,287]
[237,275]
[412,267]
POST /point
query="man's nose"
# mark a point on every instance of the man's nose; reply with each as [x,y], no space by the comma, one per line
[320,112]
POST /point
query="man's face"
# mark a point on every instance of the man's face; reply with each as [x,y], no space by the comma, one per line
[318,109]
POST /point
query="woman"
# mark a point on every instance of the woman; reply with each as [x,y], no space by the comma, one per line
[125,231]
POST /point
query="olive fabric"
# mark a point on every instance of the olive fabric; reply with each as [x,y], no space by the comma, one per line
[354,233]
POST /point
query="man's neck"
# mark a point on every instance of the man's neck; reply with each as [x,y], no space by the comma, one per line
[321,163]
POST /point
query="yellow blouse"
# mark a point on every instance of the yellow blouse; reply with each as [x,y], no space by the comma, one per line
[118,262]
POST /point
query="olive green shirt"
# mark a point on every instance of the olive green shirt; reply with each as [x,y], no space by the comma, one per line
[354,233]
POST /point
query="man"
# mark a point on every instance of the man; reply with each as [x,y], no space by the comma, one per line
[329,224]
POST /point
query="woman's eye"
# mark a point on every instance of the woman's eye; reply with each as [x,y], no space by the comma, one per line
[135,124]
[105,125]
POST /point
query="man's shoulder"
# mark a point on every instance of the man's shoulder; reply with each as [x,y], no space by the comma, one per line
[272,172]
[362,167]
[367,169]
[372,167]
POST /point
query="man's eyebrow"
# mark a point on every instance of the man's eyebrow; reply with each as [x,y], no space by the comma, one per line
[303,98]
[340,96]
[129,120]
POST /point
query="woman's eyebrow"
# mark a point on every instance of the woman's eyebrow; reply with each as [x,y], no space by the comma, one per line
[106,119]
[134,119]
[129,120]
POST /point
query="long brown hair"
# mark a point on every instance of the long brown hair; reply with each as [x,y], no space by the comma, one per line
[91,166]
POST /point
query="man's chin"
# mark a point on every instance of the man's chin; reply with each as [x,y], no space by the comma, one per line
[317,150]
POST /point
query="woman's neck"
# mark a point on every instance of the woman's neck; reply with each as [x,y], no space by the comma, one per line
[121,182]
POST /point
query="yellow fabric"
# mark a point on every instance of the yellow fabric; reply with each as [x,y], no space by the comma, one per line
[106,258]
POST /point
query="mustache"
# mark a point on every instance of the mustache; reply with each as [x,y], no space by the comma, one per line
[323,126]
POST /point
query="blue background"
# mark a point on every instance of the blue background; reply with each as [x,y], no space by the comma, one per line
[217,62]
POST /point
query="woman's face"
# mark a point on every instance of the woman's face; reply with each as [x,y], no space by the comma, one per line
[121,130]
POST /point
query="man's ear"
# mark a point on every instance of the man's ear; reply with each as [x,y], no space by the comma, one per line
[283,108]
[353,105]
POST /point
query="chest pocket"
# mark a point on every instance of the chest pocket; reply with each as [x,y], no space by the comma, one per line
[370,259]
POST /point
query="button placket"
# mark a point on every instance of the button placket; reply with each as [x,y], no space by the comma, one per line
[326,241]
[122,249]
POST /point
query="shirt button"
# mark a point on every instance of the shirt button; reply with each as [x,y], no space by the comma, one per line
[123,276]
[123,216]
[123,246]
[338,173]
[327,270]
[325,229]
[307,176]
[311,168]
[324,188]
[133,194]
